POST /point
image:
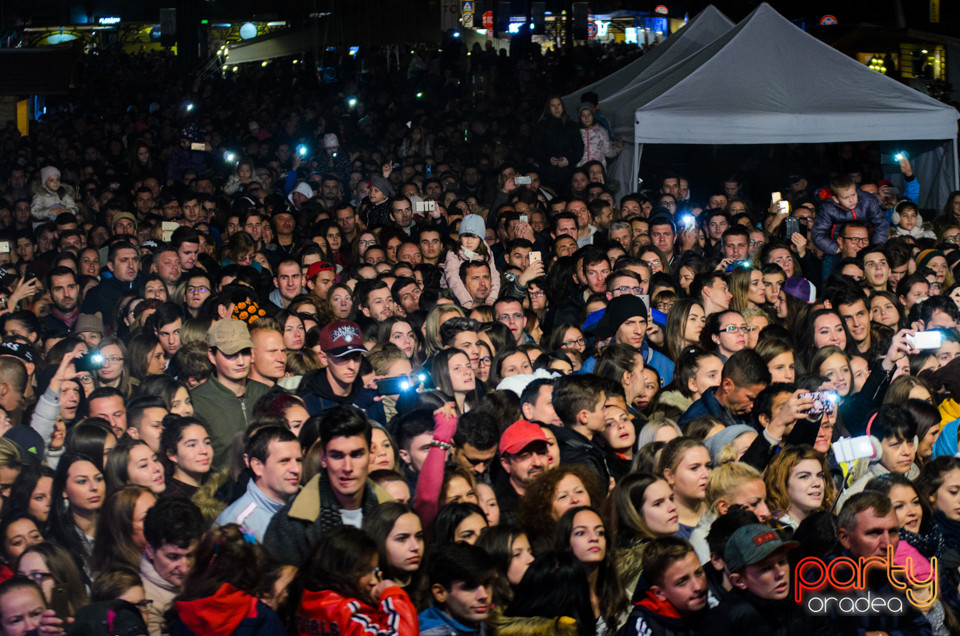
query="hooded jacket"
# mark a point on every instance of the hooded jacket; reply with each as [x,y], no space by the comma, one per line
[328,613]
[829,222]
[319,396]
[229,612]
[651,616]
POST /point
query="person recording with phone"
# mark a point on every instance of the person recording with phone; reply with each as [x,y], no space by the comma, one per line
[894,438]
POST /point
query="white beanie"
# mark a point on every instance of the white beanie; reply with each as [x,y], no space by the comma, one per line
[46,173]
[303,188]
[330,141]
[517,383]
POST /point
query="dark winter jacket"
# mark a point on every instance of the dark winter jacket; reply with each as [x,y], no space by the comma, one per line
[319,397]
[294,530]
[554,138]
[104,298]
[708,404]
[832,216]
[653,617]
[741,612]
[577,449]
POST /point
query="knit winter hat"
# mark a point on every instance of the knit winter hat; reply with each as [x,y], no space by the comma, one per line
[47,172]
[473,224]
[926,256]
[382,184]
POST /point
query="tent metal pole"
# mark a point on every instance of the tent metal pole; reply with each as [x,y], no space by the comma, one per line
[956,167]
[636,167]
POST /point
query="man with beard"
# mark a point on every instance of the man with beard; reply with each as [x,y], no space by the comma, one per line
[65,294]
[523,456]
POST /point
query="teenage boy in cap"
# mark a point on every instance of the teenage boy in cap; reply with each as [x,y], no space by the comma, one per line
[760,601]
[340,382]
[523,456]
[672,594]
[225,401]
[320,278]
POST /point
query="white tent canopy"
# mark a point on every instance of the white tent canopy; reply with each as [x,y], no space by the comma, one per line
[703,29]
[767,82]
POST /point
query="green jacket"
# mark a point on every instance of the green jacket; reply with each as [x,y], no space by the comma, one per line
[225,414]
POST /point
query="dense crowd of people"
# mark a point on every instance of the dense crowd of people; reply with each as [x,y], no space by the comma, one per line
[393,355]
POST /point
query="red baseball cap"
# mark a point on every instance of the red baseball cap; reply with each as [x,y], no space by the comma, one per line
[340,338]
[318,267]
[519,435]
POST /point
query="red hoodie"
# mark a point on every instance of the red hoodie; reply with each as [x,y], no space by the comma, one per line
[217,614]
[327,613]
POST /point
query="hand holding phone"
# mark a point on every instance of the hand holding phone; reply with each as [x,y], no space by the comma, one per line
[823,401]
[926,339]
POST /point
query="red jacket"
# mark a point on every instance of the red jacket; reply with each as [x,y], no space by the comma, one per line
[328,613]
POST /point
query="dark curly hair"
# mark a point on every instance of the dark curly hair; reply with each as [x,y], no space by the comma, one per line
[535,514]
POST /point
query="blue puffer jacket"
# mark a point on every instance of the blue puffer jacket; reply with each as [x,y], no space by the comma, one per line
[832,217]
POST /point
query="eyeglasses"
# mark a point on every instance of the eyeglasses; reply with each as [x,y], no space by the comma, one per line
[537,294]
[578,342]
[755,242]
[367,243]
[85,378]
[735,328]
[636,291]
[859,240]
[112,359]
[484,361]
[655,261]
[952,238]
[198,290]
[145,604]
